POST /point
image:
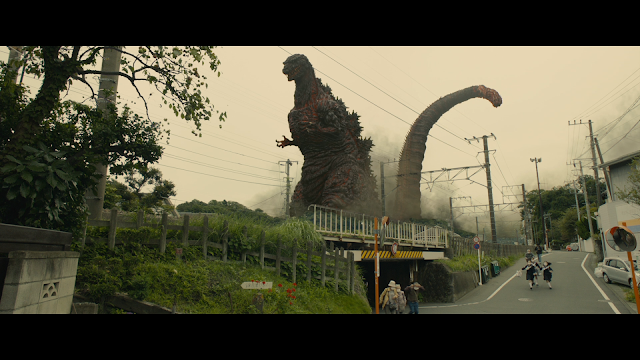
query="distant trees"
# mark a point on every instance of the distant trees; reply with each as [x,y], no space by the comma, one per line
[129,196]
[560,204]
[228,208]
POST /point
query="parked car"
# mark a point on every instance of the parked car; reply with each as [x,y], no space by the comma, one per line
[617,270]
[575,246]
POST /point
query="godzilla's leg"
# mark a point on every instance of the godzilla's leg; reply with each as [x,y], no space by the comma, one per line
[343,186]
[297,206]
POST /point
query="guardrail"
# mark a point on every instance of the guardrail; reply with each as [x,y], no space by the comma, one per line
[340,223]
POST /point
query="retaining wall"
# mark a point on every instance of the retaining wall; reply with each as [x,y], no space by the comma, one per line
[39,282]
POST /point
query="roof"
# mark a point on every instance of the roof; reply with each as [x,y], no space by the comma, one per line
[620,159]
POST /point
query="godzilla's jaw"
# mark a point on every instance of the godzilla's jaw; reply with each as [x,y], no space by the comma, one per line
[291,73]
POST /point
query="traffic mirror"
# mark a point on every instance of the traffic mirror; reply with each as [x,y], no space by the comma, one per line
[621,238]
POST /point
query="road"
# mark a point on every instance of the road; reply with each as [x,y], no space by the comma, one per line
[574,292]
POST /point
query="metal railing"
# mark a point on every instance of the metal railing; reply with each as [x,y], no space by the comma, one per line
[339,223]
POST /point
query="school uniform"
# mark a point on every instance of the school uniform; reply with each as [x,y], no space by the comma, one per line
[531,270]
[547,273]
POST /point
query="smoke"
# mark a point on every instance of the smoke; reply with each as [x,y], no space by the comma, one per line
[613,144]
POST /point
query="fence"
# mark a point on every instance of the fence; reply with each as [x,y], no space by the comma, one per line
[460,247]
[339,223]
[341,263]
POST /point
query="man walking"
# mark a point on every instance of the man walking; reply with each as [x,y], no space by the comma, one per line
[539,252]
[412,296]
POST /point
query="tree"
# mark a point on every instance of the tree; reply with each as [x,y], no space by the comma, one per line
[130,198]
[47,148]
[631,196]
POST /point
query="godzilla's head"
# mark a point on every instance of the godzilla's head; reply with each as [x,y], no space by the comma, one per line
[296,66]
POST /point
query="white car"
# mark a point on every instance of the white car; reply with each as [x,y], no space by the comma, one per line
[617,270]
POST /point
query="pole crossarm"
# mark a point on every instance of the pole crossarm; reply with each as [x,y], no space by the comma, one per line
[450,178]
[498,207]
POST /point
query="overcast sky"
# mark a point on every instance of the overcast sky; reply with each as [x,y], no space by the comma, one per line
[542,89]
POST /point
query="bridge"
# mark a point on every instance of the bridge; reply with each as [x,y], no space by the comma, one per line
[356,231]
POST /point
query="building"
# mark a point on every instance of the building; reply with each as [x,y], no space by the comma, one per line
[615,212]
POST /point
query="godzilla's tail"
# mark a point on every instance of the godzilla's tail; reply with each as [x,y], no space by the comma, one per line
[407,203]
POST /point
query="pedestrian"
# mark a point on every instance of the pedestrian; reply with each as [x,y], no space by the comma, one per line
[528,256]
[530,268]
[547,272]
[389,298]
[402,299]
[412,296]
[539,252]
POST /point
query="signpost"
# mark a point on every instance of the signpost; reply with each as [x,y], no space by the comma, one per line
[623,237]
[394,248]
[385,221]
[476,245]
[256,285]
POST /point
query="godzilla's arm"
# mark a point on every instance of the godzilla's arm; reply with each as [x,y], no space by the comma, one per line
[285,142]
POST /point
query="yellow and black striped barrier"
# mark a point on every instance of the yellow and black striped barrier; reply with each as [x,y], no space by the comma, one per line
[371,254]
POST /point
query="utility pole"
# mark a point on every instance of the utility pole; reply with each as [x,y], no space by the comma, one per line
[593,158]
[451,209]
[527,217]
[544,229]
[595,166]
[477,228]
[15,55]
[288,188]
[576,193]
[586,201]
[108,83]
[489,186]
[606,173]
[384,210]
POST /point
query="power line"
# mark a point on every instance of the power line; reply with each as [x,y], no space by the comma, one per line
[376,105]
[215,147]
[385,92]
[218,167]
[579,115]
[193,152]
[265,200]
[221,177]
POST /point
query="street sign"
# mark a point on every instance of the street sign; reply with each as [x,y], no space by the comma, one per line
[476,246]
[476,239]
[256,285]
[394,248]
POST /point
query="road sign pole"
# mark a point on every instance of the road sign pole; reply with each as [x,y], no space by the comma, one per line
[377,271]
[479,268]
[635,284]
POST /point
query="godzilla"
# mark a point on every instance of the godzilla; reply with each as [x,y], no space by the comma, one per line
[337,163]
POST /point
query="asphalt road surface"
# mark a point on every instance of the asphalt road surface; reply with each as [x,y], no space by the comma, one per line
[575,291]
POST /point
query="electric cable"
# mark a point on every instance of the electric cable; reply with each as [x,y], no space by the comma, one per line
[376,105]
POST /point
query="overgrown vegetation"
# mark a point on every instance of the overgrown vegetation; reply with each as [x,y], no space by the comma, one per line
[199,286]
[470,262]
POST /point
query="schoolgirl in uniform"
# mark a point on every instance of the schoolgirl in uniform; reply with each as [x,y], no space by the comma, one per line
[546,271]
[530,268]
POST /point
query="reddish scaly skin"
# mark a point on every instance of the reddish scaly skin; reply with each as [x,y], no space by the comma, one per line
[334,172]
[410,164]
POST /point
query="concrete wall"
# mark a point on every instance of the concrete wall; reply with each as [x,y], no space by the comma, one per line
[463,283]
[39,282]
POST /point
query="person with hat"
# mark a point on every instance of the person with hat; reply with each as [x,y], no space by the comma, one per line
[412,296]
[402,299]
[389,298]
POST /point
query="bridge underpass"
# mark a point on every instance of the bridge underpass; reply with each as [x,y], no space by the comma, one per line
[416,244]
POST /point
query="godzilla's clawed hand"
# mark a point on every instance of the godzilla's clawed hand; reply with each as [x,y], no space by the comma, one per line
[285,142]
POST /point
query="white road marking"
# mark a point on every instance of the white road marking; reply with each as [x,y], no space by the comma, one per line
[613,307]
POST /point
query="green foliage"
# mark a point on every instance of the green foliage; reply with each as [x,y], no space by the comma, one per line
[199,286]
[470,262]
[631,196]
[49,190]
